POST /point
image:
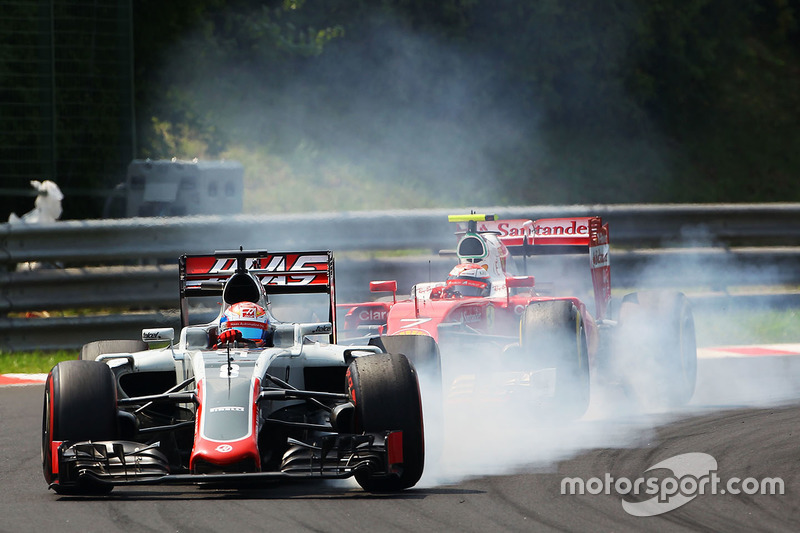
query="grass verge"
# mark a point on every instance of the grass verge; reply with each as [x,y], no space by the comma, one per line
[33,362]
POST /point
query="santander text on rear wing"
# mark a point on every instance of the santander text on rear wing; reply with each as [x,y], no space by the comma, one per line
[551,236]
[537,235]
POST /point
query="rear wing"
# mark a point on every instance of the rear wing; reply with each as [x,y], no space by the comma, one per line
[554,236]
[542,236]
[278,272]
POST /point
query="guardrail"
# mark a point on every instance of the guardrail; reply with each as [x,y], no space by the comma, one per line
[149,238]
[131,263]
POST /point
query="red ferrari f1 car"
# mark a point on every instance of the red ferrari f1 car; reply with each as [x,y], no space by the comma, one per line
[242,399]
[644,343]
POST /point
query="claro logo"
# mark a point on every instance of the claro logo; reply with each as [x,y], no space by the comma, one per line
[370,314]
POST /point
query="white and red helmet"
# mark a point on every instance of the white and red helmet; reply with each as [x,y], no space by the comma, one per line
[469,279]
[249,318]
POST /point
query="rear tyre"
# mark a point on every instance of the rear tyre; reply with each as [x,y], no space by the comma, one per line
[92,350]
[552,336]
[80,404]
[385,392]
[657,346]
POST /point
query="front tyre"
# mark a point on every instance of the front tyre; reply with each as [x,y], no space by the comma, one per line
[80,404]
[385,391]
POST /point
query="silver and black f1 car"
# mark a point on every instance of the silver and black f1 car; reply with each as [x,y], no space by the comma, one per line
[217,408]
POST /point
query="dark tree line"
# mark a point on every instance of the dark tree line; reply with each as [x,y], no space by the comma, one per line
[625,100]
[483,102]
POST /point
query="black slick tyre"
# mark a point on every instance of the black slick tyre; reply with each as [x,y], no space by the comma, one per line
[79,405]
[385,391]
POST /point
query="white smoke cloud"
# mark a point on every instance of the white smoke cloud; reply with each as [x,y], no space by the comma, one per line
[415,113]
[488,434]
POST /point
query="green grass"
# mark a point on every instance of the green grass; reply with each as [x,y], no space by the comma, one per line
[746,326]
[33,362]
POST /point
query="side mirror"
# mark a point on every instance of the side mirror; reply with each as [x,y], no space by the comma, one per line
[516,282]
[301,331]
[384,286]
[158,335]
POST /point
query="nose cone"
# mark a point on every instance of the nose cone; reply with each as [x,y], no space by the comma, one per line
[226,435]
[224,457]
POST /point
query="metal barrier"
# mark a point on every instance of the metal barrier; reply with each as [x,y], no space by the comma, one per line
[130,265]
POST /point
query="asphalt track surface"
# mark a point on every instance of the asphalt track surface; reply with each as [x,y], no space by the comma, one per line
[491,478]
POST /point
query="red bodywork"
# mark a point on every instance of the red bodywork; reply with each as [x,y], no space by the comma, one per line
[230,453]
[429,311]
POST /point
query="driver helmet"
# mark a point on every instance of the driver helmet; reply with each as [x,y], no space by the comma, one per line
[469,279]
[249,318]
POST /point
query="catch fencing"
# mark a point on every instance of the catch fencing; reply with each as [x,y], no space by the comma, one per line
[101,279]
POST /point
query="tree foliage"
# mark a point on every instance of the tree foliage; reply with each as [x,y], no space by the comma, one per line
[477,102]
[623,100]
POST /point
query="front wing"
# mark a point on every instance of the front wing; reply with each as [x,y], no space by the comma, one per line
[119,463]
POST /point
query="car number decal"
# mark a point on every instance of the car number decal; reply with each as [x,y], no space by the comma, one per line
[413,322]
[224,373]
